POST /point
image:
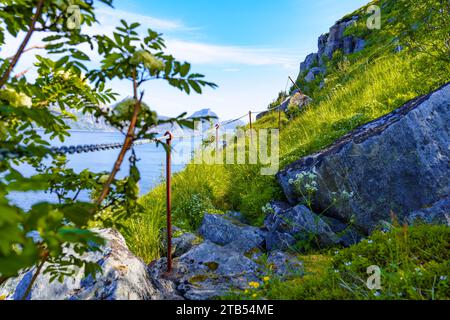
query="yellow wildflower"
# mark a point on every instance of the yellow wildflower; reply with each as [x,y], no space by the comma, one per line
[254,295]
[254,284]
[3,297]
[266,279]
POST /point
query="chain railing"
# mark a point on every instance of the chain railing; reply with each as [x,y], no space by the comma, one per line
[167,139]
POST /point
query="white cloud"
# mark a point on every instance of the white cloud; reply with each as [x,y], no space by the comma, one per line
[196,52]
[112,17]
[204,53]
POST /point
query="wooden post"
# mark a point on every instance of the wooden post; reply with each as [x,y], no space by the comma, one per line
[169,200]
[295,85]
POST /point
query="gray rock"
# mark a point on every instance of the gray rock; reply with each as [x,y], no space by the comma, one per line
[310,60]
[285,265]
[276,240]
[236,216]
[360,44]
[438,213]
[398,163]
[398,49]
[346,234]
[124,277]
[165,282]
[313,73]
[335,39]
[297,224]
[322,84]
[205,272]
[348,44]
[183,243]
[223,230]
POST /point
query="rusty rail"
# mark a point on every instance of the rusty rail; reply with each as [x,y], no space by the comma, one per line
[169,199]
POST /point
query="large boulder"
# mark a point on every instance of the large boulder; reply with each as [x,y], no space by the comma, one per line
[123,277]
[296,224]
[398,163]
[205,272]
[226,231]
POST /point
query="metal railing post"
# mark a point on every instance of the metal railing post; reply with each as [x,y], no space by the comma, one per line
[251,126]
[217,138]
[169,200]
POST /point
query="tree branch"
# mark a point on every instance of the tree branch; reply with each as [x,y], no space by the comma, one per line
[126,145]
[44,259]
[24,43]
[29,49]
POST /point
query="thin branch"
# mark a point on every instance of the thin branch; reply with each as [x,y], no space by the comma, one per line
[35,275]
[35,47]
[21,74]
[23,45]
[126,145]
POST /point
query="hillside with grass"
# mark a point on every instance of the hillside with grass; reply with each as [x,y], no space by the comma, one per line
[404,59]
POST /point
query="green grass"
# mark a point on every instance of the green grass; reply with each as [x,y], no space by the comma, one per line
[414,264]
[358,88]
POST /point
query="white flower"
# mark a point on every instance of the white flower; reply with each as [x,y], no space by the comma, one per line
[336,252]
[369,241]
[336,271]
[348,264]
[377,294]
[443,278]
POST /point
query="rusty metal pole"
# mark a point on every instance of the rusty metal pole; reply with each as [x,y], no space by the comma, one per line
[251,126]
[169,200]
[217,138]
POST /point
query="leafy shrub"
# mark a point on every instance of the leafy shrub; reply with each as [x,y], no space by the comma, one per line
[190,211]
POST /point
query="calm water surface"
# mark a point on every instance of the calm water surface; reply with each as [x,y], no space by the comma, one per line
[151,164]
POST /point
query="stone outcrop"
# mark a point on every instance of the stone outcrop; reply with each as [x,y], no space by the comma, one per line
[228,259]
[328,44]
[297,98]
[335,40]
[123,277]
[205,272]
[228,232]
[313,72]
[398,163]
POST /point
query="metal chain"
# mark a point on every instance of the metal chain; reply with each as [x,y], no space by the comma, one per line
[78,149]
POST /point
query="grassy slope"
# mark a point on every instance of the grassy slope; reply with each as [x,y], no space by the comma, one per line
[359,88]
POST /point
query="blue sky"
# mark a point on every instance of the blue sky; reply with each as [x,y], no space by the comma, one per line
[247,47]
